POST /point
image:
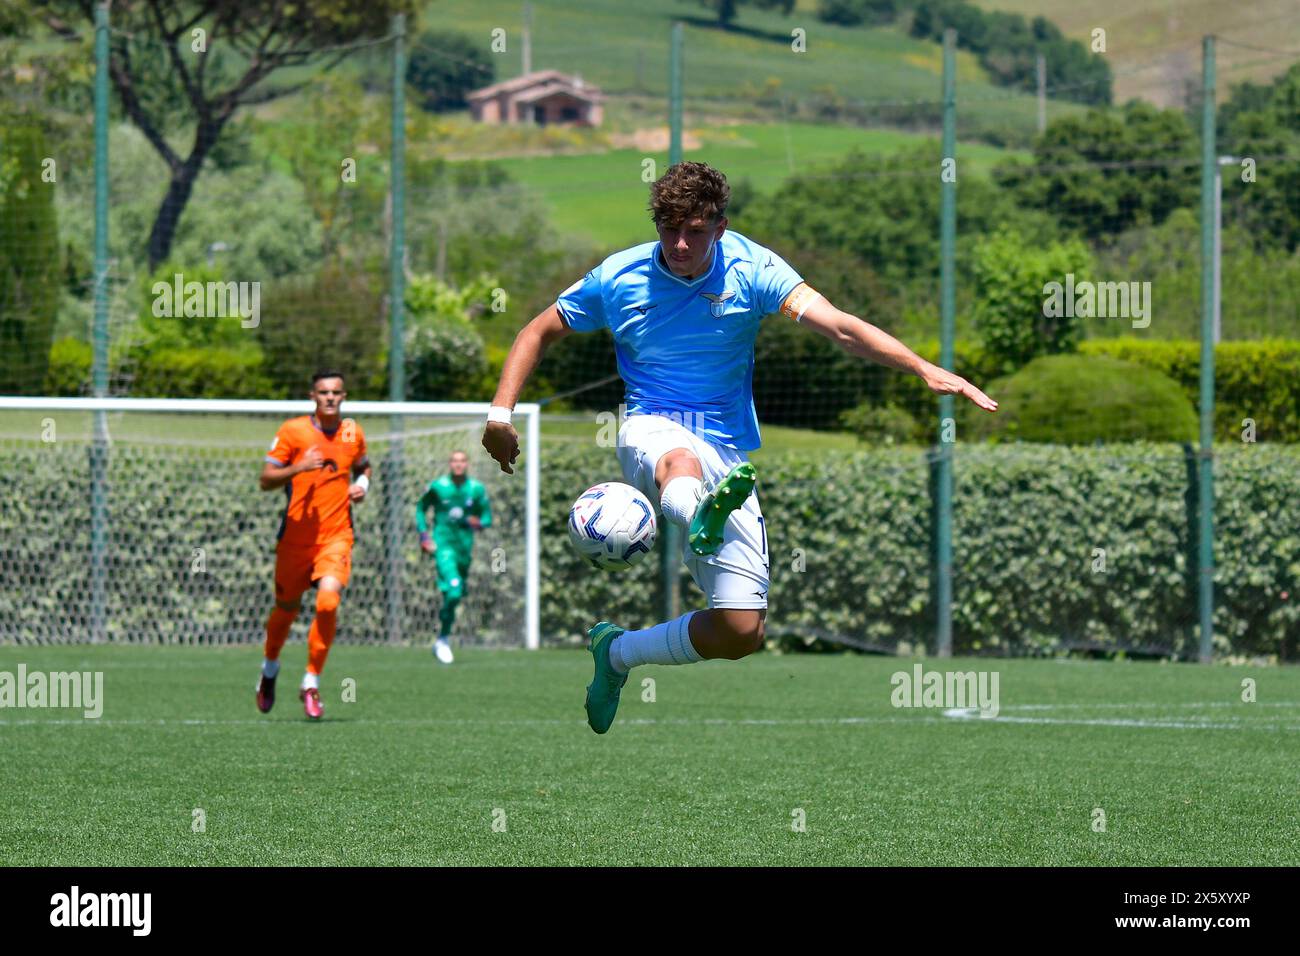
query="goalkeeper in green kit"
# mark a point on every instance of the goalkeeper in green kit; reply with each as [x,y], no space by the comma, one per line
[460,507]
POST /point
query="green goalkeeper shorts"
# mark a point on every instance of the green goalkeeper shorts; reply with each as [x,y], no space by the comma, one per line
[453,567]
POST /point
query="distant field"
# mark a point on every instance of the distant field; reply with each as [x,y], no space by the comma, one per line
[623,48]
[602,195]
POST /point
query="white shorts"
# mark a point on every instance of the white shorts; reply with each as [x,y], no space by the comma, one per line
[737,576]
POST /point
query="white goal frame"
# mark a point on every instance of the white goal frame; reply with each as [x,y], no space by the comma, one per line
[530,429]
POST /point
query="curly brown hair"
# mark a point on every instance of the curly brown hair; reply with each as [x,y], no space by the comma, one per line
[687,190]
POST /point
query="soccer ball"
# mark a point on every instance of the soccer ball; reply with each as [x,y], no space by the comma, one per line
[612,525]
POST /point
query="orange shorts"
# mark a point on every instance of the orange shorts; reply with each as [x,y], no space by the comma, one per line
[297,567]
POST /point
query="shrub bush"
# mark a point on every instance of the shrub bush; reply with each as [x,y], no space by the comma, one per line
[336,318]
[201,373]
[70,366]
[1010,314]
[445,362]
[1082,399]
[882,424]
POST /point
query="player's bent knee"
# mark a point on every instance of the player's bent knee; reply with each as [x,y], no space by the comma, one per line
[679,461]
[293,607]
[745,631]
[327,602]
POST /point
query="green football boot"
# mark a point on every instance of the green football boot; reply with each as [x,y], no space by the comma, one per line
[711,514]
[603,691]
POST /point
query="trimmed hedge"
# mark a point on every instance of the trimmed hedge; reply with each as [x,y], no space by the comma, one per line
[1259,380]
[849,539]
[177,499]
[1028,522]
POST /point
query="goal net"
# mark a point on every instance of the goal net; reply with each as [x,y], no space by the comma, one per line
[141,520]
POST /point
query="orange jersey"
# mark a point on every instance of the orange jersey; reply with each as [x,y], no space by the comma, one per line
[317,508]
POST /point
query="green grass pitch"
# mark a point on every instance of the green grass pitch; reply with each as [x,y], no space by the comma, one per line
[713,771]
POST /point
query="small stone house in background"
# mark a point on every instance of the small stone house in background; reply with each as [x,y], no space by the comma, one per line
[543,97]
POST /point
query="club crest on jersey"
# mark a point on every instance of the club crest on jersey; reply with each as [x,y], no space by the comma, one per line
[718,302]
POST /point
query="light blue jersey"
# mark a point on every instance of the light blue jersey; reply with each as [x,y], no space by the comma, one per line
[686,347]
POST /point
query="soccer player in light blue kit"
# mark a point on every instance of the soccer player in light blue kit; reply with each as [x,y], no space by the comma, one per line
[684,312]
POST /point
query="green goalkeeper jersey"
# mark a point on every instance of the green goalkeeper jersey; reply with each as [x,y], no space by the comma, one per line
[452,506]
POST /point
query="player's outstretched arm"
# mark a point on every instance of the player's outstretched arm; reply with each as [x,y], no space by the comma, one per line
[500,438]
[866,341]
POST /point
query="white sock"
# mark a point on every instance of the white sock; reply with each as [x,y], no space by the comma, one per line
[680,498]
[270,668]
[310,680]
[667,643]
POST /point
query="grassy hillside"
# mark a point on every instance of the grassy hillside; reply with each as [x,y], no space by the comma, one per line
[603,197]
[623,48]
[1154,47]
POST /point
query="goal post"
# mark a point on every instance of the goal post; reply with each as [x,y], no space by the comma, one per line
[141,520]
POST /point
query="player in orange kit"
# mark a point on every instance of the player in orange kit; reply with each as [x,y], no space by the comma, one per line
[320,462]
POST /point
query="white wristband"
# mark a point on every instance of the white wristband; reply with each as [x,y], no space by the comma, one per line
[363,482]
[499,413]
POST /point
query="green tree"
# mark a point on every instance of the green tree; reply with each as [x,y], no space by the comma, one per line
[333,318]
[1010,278]
[341,185]
[850,13]
[884,210]
[163,323]
[474,218]
[1263,123]
[445,356]
[728,9]
[444,66]
[1102,173]
[1008,46]
[30,277]
[164,73]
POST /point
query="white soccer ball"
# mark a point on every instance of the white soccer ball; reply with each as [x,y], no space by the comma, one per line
[612,525]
